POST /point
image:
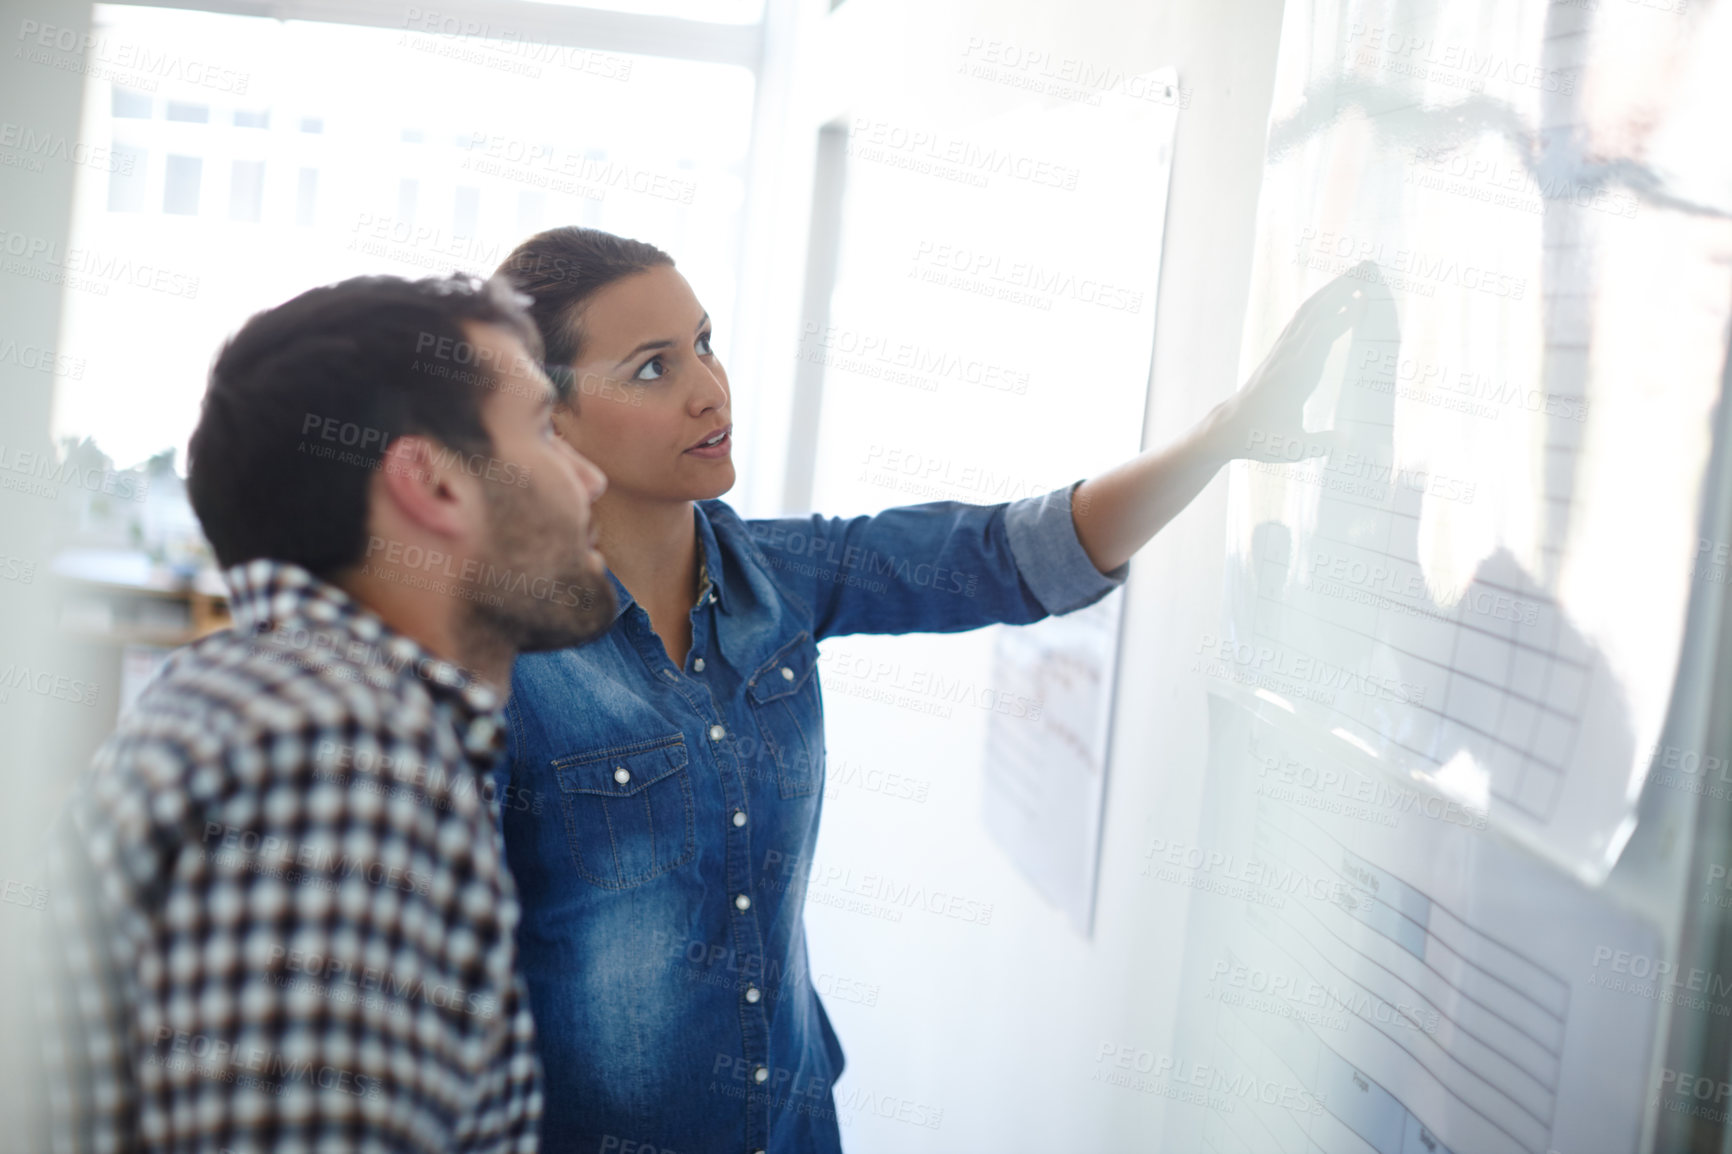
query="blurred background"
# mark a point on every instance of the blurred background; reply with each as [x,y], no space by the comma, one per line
[960,250]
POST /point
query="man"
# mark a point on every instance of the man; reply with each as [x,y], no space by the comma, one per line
[284,920]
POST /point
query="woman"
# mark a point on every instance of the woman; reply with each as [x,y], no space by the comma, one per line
[668,776]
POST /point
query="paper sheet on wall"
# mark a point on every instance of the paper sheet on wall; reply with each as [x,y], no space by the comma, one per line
[1046,779]
[1483,582]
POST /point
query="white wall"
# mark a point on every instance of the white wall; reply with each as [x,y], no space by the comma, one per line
[1000,1026]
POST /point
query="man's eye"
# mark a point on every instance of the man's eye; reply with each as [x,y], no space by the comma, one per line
[644,374]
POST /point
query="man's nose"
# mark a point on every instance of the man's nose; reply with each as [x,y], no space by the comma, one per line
[590,476]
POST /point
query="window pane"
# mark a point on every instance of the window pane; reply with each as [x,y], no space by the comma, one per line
[247,190]
[181,184]
[126,180]
[468,211]
[191,113]
[252,118]
[134,105]
[531,210]
[307,197]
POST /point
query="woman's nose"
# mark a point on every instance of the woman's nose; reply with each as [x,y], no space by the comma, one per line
[712,389]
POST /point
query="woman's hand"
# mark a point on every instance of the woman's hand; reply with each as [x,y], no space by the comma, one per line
[1118,511]
[1264,420]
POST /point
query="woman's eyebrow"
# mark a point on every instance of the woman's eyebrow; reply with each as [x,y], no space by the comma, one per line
[648,345]
[643,348]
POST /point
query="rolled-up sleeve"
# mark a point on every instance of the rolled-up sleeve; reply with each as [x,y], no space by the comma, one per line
[935,568]
[1051,560]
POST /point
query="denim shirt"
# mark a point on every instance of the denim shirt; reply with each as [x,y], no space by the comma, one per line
[659,820]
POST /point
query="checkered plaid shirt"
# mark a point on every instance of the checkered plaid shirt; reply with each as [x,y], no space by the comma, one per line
[283,919]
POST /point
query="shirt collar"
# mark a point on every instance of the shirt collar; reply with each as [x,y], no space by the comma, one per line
[709,568]
[320,620]
[710,557]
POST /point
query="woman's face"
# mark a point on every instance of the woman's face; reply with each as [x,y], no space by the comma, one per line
[650,397]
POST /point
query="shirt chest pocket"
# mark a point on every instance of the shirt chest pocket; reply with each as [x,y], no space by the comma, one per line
[790,715]
[628,811]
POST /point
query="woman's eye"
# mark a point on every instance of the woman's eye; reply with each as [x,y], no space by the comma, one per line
[644,374]
[704,349]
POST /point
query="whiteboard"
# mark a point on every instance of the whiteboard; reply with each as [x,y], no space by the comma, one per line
[988,339]
[1483,584]
[971,355]
[1452,620]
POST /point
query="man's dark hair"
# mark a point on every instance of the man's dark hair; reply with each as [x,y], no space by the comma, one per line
[559,270]
[304,400]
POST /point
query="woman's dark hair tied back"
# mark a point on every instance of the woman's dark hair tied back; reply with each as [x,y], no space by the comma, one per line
[559,270]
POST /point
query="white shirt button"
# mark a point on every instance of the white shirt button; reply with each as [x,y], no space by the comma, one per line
[742,902]
[717,733]
[698,665]
[739,817]
[752,994]
[622,775]
[761,1074]
[787,674]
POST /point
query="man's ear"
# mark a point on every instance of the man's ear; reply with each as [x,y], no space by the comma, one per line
[421,489]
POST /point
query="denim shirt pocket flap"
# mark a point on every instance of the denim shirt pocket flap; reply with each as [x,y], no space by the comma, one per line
[623,770]
[786,673]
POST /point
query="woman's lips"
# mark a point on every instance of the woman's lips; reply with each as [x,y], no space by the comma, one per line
[720,449]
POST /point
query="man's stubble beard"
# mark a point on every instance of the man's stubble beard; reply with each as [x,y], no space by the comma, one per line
[578,603]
